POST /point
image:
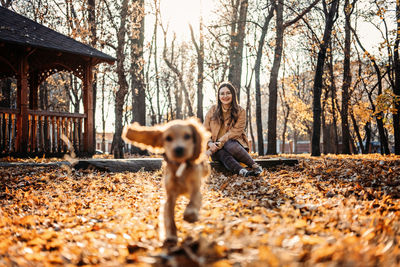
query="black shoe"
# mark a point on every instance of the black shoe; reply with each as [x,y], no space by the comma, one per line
[247,173]
[257,170]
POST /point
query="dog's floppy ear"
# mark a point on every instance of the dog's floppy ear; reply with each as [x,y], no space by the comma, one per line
[200,137]
[144,137]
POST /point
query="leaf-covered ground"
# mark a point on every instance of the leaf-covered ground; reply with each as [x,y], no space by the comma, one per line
[328,211]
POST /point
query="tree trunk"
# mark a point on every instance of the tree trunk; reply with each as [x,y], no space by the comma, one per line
[367,128]
[138,87]
[188,104]
[76,96]
[249,119]
[335,137]
[284,134]
[236,47]
[396,89]
[103,117]
[200,68]
[137,65]
[356,129]
[296,149]
[257,68]
[179,75]
[155,56]
[93,42]
[348,9]
[325,133]
[317,89]
[118,145]
[178,102]
[286,112]
[273,83]
[379,116]
[326,128]
[382,134]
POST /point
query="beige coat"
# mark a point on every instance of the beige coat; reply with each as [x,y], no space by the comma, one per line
[235,132]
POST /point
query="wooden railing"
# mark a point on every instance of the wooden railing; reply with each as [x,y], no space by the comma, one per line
[8,130]
[48,132]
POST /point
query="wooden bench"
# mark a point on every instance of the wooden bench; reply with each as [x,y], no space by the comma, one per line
[152,164]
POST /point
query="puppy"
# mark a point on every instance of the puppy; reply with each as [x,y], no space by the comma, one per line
[183,143]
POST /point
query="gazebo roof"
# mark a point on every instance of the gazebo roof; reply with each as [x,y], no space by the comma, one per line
[19,30]
[30,53]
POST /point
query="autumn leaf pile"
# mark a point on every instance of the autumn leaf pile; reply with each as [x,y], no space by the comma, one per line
[328,211]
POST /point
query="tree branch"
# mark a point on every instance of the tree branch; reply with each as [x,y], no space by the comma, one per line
[305,11]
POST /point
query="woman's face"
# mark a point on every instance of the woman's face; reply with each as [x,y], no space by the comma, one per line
[225,96]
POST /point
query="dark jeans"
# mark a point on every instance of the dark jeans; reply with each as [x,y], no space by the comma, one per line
[231,154]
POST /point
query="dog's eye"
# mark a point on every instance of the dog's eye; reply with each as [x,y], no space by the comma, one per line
[168,138]
[187,136]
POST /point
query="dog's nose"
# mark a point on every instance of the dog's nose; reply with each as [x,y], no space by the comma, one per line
[179,151]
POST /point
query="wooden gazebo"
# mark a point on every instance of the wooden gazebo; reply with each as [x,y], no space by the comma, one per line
[31,52]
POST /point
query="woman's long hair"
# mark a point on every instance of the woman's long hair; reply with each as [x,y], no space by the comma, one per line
[218,114]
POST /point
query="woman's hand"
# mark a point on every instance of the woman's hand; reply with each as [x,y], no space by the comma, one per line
[213,146]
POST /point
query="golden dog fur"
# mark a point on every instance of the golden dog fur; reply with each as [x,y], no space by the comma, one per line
[183,143]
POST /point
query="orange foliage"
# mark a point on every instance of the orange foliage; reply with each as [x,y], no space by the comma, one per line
[335,210]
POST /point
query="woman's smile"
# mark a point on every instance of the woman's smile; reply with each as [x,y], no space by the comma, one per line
[225,96]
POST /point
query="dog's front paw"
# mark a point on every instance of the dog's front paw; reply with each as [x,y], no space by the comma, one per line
[191,215]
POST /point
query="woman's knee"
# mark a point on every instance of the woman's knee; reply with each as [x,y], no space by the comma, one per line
[233,147]
[238,151]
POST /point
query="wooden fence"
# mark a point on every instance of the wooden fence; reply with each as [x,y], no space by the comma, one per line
[49,132]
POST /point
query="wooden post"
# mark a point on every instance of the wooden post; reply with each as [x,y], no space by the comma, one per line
[22,103]
[88,109]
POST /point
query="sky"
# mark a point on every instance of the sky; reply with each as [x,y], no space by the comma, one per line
[179,13]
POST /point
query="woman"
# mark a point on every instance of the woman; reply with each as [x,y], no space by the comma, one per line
[226,122]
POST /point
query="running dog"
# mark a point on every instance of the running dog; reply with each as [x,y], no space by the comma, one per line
[183,143]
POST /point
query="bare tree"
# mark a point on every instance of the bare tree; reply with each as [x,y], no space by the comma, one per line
[248,82]
[200,67]
[157,112]
[238,26]
[348,10]
[91,19]
[179,74]
[377,114]
[103,117]
[273,83]
[73,90]
[257,68]
[333,100]
[137,63]
[138,88]
[118,145]
[286,111]
[5,3]
[396,87]
[317,89]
